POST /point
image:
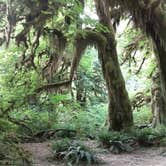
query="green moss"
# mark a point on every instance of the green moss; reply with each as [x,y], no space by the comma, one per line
[92,37]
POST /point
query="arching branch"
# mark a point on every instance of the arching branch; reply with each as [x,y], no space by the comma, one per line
[82,41]
[53,86]
[87,38]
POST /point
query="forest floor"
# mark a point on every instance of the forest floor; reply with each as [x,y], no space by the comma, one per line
[41,153]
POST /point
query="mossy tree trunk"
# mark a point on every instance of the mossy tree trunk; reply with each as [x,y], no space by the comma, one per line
[120,113]
[159,40]
[157,104]
[161,57]
[150,16]
[80,90]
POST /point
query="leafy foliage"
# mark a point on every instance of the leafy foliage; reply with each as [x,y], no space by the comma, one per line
[143,116]
[11,154]
[73,153]
[126,142]
[37,42]
[150,136]
[117,142]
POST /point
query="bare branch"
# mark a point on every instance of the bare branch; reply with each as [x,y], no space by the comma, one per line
[139,69]
[53,86]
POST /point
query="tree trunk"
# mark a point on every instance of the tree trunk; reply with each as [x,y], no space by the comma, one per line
[80,90]
[159,41]
[150,17]
[120,113]
[156,101]
[161,57]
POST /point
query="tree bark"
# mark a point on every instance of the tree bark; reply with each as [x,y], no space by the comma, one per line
[80,90]
[159,41]
[150,16]
[157,102]
[120,113]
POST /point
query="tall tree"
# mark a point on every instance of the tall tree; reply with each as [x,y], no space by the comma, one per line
[120,114]
[150,17]
[38,16]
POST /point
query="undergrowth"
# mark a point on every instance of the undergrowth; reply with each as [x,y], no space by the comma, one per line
[143,116]
[73,153]
[85,122]
[150,136]
[10,151]
[118,142]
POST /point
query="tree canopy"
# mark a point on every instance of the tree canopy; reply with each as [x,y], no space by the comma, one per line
[86,64]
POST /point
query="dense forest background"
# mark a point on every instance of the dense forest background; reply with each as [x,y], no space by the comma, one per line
[81,70]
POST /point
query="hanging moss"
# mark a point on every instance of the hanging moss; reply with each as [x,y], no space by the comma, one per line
[91,37]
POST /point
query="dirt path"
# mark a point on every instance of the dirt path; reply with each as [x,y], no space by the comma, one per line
[141,157]
[40,153]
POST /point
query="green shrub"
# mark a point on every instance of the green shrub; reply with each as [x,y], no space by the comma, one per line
[89,121]
[105,137]
[150,136]
[12,154]
[116,142]
[64,130]
[60,146]
[163,142]
[72,152]
[36,121]
[6,126]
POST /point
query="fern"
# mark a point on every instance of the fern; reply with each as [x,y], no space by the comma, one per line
[117,142]
[74,153]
